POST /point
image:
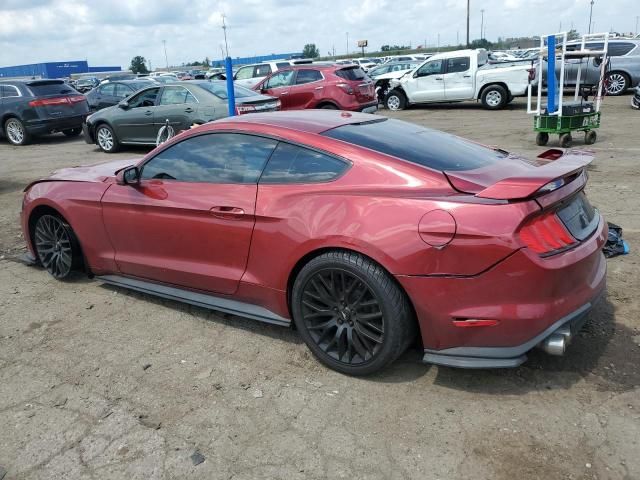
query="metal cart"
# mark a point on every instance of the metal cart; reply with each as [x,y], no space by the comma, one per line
[559,117]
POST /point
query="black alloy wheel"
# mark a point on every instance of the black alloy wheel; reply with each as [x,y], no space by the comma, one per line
[343,316]
[351,313]
[55,245]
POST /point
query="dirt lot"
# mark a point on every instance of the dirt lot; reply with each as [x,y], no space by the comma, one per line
[98,382]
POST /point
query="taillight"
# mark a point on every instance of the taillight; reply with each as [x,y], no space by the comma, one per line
[346,87]
[546,234]
[241,109]
[56,101]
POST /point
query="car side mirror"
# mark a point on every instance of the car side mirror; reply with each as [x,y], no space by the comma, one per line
[128,176]
[123,104]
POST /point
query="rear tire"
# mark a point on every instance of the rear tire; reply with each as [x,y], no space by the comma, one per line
[56,246]
[616,83]
[565,140]
[494,97]
[351,313]
[106,139]
[395,101]
[328,106]
[15,132]
[73,132]
[590,137]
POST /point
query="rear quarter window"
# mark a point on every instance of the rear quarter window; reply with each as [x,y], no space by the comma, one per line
[618,49]
[413,143]
[293,164]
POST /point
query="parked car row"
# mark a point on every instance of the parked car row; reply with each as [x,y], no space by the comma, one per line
[137,119]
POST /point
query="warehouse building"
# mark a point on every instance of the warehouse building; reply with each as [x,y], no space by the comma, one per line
[53,70]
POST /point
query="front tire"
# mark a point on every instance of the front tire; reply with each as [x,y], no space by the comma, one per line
[351,313]
[106,139]
[494,97]
[56,246]
[542,138]
[15,132]
[395,101]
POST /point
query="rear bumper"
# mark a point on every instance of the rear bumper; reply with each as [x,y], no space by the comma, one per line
[40,126]
[88,134]
[529,297]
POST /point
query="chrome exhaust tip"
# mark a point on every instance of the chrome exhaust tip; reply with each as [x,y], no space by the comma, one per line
[554,344]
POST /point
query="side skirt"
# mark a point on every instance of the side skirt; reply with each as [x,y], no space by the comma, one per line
[203,300]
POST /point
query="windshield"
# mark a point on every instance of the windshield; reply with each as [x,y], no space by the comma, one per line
[219,89]
[416,144]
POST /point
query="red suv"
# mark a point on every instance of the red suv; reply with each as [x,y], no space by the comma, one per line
[343,87]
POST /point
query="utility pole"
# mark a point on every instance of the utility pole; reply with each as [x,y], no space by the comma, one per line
[457,37]
[468,6]
[481,23]
[224,29]
[636,25]
[347,43]
[166,61]
[438,42]
[590,15]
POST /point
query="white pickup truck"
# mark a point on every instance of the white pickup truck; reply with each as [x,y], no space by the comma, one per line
[457,76]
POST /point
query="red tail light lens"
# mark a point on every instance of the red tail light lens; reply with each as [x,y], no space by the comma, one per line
[546,234]
[57,101]
[346,87]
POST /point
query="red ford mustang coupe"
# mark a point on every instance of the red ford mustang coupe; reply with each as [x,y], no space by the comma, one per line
[364,232]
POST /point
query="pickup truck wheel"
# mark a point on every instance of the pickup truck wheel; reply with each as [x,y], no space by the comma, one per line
[395,101]
[494,97]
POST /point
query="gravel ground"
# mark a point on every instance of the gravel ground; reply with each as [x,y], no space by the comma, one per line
[99,382]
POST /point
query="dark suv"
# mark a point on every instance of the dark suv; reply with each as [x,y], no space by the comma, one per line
[36,107]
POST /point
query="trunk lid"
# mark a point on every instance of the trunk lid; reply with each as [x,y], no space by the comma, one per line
[354,77]
[257,103]
[515,178]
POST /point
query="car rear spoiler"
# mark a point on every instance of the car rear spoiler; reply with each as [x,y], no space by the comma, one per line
[557,168]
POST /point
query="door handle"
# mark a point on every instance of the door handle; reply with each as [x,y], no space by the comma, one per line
[319,88]
[466,76]
[438,78]
[284,93]
[148,112]
[227,212]
[189,110]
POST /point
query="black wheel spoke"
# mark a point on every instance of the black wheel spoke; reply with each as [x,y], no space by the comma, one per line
[53,245]
[343,316]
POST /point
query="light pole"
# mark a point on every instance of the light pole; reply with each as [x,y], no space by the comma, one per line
[347,43]
[481,23]
[166,61]
[590,14]
[468,5]
[636,24]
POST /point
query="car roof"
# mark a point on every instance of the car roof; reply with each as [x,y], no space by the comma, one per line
[309,121]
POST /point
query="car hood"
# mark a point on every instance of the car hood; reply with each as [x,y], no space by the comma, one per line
[87,173]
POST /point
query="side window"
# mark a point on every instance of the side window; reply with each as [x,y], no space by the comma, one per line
[618,49]
[3,91]
[460,64]
[244,73]
[174,96]
[262,70]
[308,76]
[293,164]
[146,98]
[7,91]
[282,65]
[108,89]
[430,68]
[212,158]
[123,91]
[280,79]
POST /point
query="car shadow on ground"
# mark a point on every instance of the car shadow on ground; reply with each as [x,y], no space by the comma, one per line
[603,353]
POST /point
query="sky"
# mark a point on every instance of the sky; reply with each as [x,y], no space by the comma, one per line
[111,32]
